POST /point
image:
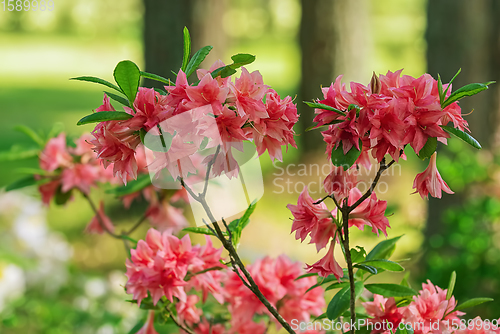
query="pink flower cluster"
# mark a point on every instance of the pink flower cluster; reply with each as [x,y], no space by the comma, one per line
[164,266]
[77,167]
[70,167]
[224,112]
[390,113]
[430,311]
[317,222]
[277,282]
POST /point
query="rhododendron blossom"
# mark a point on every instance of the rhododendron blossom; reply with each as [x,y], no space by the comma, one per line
[430,181]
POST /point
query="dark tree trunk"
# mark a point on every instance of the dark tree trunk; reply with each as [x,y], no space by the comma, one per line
[318,38]
[164,21]
[331,45]
[463,34]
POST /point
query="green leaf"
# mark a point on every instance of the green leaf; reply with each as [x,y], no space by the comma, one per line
[187,49]
[131,187]
[462,135]
[324,280]
[384,264]
[341,301]
[98,81]
[383,250]
[155,77]
[200,230]
[428,149]
[306,275]
[161,143]
[241,59]
[337,285]
[31,134]
[236,226]
[57,128]
[103,116]
[405,281]
[440,90]
[127,76]
[137,327]
[372,270]
[390,290]
[197,59]
[451,285]
[358,255]
[404,329]
[467,90]
[118,98]
[472,302]
[318,105]
[347,160]
[61,198]
[449,85]
[22,183]
[18,153]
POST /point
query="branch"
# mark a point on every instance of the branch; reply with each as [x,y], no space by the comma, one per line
[99,219]
[235,259]
[177,323]
[350,270]
[381,169]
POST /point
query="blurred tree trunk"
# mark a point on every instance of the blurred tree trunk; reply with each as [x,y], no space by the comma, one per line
[164,21]
[463,34]
[330,46]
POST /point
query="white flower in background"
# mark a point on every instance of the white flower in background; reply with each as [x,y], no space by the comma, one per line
[30,239]
[12,283]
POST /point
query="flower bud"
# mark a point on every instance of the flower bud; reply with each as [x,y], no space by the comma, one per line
[375,84]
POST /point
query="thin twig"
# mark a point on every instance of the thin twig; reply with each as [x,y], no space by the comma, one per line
[209,167]
[177,323]
[322,200]
[99,219]
[381,169]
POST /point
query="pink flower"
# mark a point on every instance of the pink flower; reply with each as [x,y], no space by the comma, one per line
[48,190]
[151,108]
[383,310]
[431,306]
[248,91]
[339,182]
[81,176]
[370,212]
[149,327]
[187,311]
[476,326]
[55,154]
[205,327]
[327,265]
[313,219]
[155,267]
[100,222]
[277,281]
[165,217]
[430,181]
[206,92]
[276,130]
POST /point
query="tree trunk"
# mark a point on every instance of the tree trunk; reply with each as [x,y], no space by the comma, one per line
[462,34]
[331,45]
[164,21]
